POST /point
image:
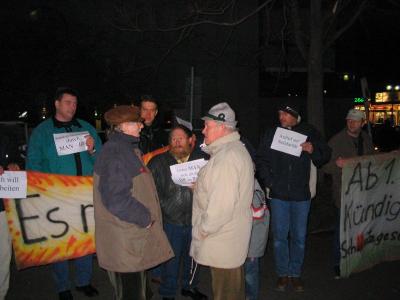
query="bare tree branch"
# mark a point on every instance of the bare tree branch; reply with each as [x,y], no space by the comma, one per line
[346,26]
[216,12]
[192,24]
[298,33]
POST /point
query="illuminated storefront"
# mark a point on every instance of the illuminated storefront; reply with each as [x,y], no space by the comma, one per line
[385,108]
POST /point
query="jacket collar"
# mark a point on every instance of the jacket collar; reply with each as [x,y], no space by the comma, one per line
[60,124]
[219,143]
[124,138]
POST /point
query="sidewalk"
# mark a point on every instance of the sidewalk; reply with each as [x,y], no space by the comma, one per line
[379,282]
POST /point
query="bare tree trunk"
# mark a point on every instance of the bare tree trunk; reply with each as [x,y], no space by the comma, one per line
[315,105]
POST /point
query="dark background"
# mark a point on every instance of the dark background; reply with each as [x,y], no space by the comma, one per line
[89,45]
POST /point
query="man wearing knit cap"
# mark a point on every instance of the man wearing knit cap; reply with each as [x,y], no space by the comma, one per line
[286,179]
[348,143]
[222,198]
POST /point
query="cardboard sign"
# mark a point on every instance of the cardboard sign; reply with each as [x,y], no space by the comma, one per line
[70,142]
[185,174]
[13,184]
[288,141]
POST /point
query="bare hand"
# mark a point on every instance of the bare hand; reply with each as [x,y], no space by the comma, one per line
[203,235]
[307,147]
[151,224]
[90,144]
[13,167]
[340,162]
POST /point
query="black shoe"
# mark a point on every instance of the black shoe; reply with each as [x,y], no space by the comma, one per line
[65,295]
[194,294]
[88,290]
[168,298]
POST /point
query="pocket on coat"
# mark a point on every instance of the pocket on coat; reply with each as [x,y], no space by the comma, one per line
[136,240]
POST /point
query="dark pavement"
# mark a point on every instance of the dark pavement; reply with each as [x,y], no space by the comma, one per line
[379,282]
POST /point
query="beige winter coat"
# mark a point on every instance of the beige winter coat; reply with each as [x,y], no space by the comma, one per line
[221,205]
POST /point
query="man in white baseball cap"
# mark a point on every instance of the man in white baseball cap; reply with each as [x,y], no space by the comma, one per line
[222,216]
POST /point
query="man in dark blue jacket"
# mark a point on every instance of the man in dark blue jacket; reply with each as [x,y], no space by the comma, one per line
[286,179]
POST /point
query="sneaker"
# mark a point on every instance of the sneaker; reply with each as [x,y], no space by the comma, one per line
[193,293]
[297,284]
[88,290]
[65,295]
[337,272]
[282,283]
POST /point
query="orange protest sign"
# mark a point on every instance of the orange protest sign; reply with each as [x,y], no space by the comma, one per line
[55,222]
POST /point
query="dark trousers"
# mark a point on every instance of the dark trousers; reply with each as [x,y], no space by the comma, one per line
[336,240]
[228,283]
[180,237]
[83,272]
[130,286]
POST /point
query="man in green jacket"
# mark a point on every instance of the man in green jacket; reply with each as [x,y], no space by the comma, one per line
[43,157]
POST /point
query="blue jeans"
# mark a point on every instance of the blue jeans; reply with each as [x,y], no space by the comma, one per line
[180,237]
[251,276]
[156,272]
[83,272]
[289,229]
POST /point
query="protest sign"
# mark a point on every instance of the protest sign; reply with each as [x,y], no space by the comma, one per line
[70,142]
[185,174]
[370,212]
[55,222]
[13,184]
[288,141]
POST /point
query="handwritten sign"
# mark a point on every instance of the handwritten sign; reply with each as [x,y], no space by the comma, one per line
[370,212]
[54,222]
[70,142]
[13,184]
[288,141]
[185,174]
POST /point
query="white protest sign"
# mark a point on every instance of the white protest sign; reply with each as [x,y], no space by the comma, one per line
[13,184]
[185,174]
[370,212]
[70,142]
[288,141]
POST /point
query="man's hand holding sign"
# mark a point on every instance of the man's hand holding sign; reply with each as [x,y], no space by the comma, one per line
[290,142]
[73,142]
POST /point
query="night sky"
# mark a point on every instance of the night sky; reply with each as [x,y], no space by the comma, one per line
[45,45]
